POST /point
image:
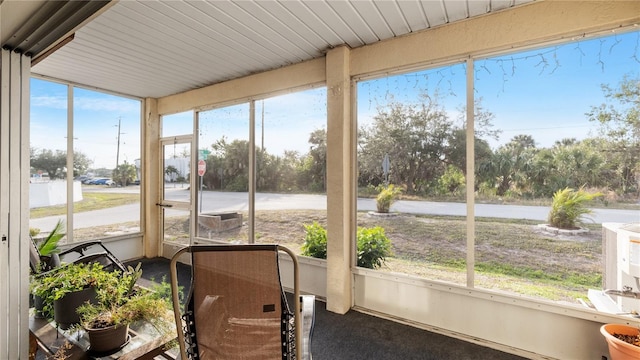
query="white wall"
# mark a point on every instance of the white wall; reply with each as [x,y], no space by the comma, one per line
[52,193]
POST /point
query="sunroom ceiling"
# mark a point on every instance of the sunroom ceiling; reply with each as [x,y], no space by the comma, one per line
[158,48]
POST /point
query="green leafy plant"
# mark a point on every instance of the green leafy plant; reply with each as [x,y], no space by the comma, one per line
[373,246]
[55,284]
[49,245]
[452,181]
[386,197]
[121,302]
[569,207]
[315,241]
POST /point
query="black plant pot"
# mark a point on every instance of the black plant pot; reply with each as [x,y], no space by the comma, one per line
[64,309]
[38,304]
[107,340]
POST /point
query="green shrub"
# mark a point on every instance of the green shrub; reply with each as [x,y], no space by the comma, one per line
[372,244]
[315,241]
[568,207]
[452,181]
[373,247]
[387,196]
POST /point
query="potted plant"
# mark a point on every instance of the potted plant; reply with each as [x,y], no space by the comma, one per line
[65,288]
[623,341]
[120,303]
[48,247]
[47,259]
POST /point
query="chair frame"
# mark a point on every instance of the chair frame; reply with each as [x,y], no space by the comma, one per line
[78,250]
[199,248]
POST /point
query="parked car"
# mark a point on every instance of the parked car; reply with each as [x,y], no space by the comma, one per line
[102,181]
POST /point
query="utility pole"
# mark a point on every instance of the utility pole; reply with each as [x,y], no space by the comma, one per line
[118,149]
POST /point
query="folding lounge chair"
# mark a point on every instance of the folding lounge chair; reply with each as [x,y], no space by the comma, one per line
[86,252]
[237,309]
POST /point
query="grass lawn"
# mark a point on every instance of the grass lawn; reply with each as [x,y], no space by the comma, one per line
[510,255]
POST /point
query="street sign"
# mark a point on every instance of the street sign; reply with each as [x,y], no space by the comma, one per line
[203,154]
[385,164]
[202,167]
[385,167]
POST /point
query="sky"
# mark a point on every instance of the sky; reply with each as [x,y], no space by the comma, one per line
[95,117]
[544,92]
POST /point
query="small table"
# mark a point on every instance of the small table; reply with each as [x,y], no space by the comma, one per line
[145,342]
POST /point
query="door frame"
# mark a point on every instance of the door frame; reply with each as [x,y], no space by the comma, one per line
[166,204]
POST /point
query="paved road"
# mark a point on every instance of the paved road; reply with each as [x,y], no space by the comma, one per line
[231,201]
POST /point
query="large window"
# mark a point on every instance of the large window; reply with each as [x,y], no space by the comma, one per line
[103,132]
[560,120]
[223,188]
[411,137]
[291,166]
[566,115]
[288,169]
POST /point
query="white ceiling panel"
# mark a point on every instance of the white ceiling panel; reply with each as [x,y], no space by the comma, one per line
[414,14]
[394,17]
[352,17]
[478,7]
[456,10]
[157,48]
[373,18]
[434,10]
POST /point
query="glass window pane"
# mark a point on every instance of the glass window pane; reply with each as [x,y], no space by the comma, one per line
[223,143]
[177,171]
[176,226]
[564,113]
[411,148]
[106,142]
[48,145]
[177,124]
[291,144]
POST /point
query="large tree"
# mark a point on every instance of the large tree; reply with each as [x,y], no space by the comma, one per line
[508,166]
[313,170]
[619,120]
[55,163]
[235,163]
[414,135]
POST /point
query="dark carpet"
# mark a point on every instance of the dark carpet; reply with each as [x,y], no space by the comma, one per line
[359,336]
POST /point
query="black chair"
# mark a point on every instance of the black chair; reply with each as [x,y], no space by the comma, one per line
[85,252]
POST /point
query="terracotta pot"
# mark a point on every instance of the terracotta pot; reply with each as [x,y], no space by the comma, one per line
[109,339]
[618,349]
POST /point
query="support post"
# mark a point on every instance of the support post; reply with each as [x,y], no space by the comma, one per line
[340,182]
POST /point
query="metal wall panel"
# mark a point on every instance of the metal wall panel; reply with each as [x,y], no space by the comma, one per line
[14,207]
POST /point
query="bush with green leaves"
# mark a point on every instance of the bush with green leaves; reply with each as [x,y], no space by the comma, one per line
[386,197]
[315,241]
[373,246]
[569,206]
[452,181]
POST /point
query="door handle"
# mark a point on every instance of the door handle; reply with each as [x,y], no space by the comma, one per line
[164,205]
